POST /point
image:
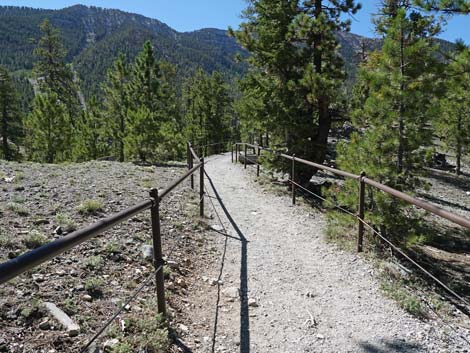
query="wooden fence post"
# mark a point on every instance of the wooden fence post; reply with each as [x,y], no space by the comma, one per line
[157,251]
[361,206]
[201,188]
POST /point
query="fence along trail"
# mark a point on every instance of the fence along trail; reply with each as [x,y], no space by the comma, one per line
[281,288]
[297,293]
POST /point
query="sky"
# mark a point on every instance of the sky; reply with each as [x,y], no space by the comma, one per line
[189,15]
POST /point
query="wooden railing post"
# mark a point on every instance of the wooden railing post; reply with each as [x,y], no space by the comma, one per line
[232,153]
[244,157]
[257,162]
[190,166]
[361,207]
[293,179]
[157,251]
[201,188]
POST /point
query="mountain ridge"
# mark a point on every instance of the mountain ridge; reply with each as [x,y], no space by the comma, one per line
[93,37]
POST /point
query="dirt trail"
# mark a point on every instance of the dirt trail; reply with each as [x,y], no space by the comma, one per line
[296,293]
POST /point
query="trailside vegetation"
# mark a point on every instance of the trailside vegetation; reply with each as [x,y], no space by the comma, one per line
[291,89]
[139,114]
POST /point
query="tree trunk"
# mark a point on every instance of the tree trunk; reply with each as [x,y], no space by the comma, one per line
[6,149]
[320,139]
[401,124]
[121,139]
[459,145]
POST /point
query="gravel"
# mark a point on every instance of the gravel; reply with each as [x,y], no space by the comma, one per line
[310,296]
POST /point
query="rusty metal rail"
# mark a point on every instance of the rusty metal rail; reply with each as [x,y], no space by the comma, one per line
[27,261]
[362,181]
[387,189]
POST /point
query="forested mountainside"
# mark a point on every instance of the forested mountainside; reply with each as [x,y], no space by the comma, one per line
[94,37]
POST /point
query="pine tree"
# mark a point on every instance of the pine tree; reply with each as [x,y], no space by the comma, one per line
[49,131]
[10,118]
[172,145]
[116,102]
[145,116]
[92,139]
[296,71]
[446,6]
[397,100]
[454,124]
[52,73]
[208,109]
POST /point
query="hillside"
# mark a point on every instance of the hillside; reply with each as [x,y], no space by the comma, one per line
[94,36]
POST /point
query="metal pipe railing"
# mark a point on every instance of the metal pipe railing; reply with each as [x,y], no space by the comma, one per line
[30,259]
[391,191]
[27,261]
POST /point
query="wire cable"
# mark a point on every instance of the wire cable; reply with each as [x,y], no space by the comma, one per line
[120,310]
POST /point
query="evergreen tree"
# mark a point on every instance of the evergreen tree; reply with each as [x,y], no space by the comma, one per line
[208,109]
[92,139]
[145,115]
[446,6]
[295,71]
[172,145]
[49,136]
[10,118]
[396,102]
[454,124]
[52,73]
[116,102]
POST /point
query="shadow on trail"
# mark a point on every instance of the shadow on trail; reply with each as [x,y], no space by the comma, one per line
[244,310]
[393,346]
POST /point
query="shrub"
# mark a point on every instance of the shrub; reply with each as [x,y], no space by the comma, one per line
[19,209]
[66,222]
[34,239]
[90,207]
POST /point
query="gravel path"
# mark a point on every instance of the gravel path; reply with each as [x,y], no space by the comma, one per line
[297,293]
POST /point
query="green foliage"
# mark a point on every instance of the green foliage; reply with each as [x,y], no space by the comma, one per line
[407,300]
[116,103]
[66,222]
[53,75]
[7,241]
[18,208]
[208,109]
[92,133]
[94,286]
[453,125]
[49,132]
[90,207]
[34,240]
[153,118]
[146,332]
[446,6]
[10,118]
[295,74]
[394,106]
[94,262]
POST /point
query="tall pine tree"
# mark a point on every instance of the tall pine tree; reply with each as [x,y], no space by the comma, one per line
[296,71]
[397,91]
[10,118]
[144,116]
[50,133]
[52,73]
[453,125]
[208,109]
[52,122]
[116,102]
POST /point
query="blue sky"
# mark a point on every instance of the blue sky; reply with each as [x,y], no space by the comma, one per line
[188,15]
